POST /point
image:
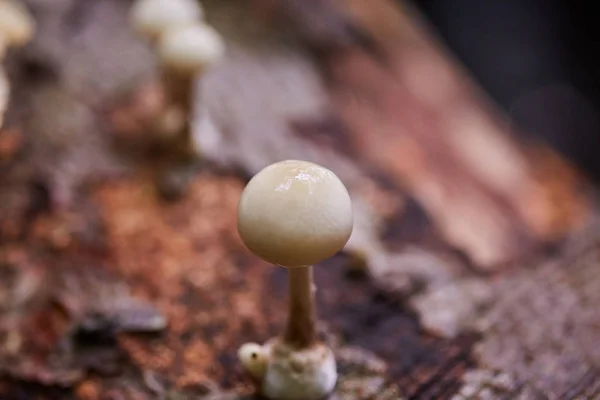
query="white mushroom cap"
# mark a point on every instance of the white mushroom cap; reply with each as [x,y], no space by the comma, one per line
[17,27]
[152,18]
[190,49]
[292,374]
[254,358]
[295,213]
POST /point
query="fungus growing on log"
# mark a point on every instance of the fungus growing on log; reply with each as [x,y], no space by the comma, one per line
[295,214]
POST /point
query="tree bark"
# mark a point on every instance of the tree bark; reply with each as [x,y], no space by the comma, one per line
[443,290]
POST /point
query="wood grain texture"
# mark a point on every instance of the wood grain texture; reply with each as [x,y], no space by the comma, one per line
[110,292]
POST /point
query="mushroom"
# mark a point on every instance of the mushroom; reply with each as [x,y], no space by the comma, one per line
[186,53]
[191,49]
[152,18]
[4,94]
[17,27]
[186,47]
[295,214]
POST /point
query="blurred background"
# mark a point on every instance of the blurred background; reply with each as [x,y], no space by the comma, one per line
[536,59]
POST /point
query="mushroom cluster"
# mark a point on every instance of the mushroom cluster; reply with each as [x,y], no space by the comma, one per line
[186,47]
[16,29]
[294,214]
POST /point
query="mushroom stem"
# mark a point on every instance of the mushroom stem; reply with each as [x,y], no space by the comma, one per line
[3,46]
[300,330]
[181,95]
[4,94]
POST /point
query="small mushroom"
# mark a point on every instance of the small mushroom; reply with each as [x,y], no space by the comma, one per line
[17,27]
[4,94]
[151,18]
[295,214]
[185,47]
[191,49]
[254,359]
[185,54]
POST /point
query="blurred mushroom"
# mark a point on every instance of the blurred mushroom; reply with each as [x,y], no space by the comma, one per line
[185,47]
[151,18]
[185,54]
[296,214]
[17,27]
[4,94]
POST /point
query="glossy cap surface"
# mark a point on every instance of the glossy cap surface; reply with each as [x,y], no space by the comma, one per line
[190,49]
[295,213]
[152,18]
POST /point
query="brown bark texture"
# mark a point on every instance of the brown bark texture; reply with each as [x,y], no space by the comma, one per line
[472,271]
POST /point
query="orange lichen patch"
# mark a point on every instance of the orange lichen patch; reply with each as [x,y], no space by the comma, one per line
[53,230]
[558,182]
[186,258]
[156,356]
[11,141]
[88,390]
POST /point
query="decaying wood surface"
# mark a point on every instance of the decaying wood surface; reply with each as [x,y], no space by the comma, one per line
[445,291]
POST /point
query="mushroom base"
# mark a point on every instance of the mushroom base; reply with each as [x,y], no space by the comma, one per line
[298,374]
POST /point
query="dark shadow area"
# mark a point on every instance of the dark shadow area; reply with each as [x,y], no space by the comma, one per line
[537,59]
